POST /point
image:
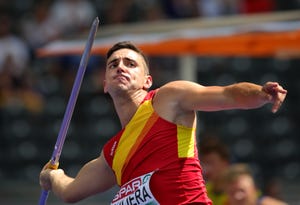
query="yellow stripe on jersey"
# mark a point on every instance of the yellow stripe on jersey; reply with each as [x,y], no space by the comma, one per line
[186,141]
[129,137]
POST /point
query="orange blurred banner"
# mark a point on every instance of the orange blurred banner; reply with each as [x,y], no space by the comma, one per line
[277,39]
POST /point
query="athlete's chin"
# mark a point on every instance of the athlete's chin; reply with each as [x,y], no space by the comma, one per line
[118,88]
[121,78]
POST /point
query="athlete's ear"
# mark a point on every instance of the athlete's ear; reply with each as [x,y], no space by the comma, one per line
[148,82]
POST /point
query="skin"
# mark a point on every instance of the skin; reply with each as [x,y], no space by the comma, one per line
[127,82]
[242,191]
[214,165]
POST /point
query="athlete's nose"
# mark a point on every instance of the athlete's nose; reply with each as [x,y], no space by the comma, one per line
[121,67]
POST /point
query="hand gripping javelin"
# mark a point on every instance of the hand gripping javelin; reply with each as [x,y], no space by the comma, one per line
[53,164]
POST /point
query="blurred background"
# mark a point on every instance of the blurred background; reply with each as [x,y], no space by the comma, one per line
[34,89]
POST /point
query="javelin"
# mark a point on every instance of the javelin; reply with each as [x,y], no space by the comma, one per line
[53,164]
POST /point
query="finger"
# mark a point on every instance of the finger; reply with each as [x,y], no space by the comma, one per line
[273,86]
[269,86]
[46,166]
[283,91]
[276,106]
[279,88]
[44,180]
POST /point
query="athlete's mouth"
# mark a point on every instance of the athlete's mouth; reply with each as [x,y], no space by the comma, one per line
[121,76]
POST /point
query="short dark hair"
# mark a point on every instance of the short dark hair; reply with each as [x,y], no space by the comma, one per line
[128,45]
[212,144]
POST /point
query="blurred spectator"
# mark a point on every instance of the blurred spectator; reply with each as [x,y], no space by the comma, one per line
[215,8]
[282,5]
[241,189]
[17,91]
[65,19]
[37,27]
[215,159]
[15,87]
[12,47]
[151,10]
[211,8]
[257,6]
[231,7]
[181,8]
[72,17]
[273,188]
[118,11]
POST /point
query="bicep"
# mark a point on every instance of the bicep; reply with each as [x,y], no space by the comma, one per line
[193,96]
[210,98]
[94,177]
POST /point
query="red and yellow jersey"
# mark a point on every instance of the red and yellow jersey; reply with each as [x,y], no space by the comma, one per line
[150,144]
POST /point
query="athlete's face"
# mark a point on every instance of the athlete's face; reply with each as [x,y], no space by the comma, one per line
[242,191]
[126,70]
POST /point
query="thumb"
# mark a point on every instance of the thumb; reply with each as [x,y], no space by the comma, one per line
[276,106]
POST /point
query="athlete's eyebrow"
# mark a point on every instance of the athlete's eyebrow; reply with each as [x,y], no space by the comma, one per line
[112,61]
[130,59]
[117,59]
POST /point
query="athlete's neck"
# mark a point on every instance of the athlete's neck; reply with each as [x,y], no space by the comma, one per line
[127,105]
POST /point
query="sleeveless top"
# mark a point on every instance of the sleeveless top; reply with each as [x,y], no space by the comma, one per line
[155,161]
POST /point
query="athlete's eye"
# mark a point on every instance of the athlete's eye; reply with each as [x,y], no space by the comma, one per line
[131,64]
[113,64]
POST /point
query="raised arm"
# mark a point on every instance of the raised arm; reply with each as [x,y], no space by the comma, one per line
[186,95]
[249,95]
[94,177]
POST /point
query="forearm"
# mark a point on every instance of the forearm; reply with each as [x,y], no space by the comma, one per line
[247,95]
[60,183]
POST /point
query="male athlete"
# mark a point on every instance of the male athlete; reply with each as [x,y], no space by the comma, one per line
[154,158]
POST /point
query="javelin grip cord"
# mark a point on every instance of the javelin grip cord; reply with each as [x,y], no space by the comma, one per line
[71,104]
